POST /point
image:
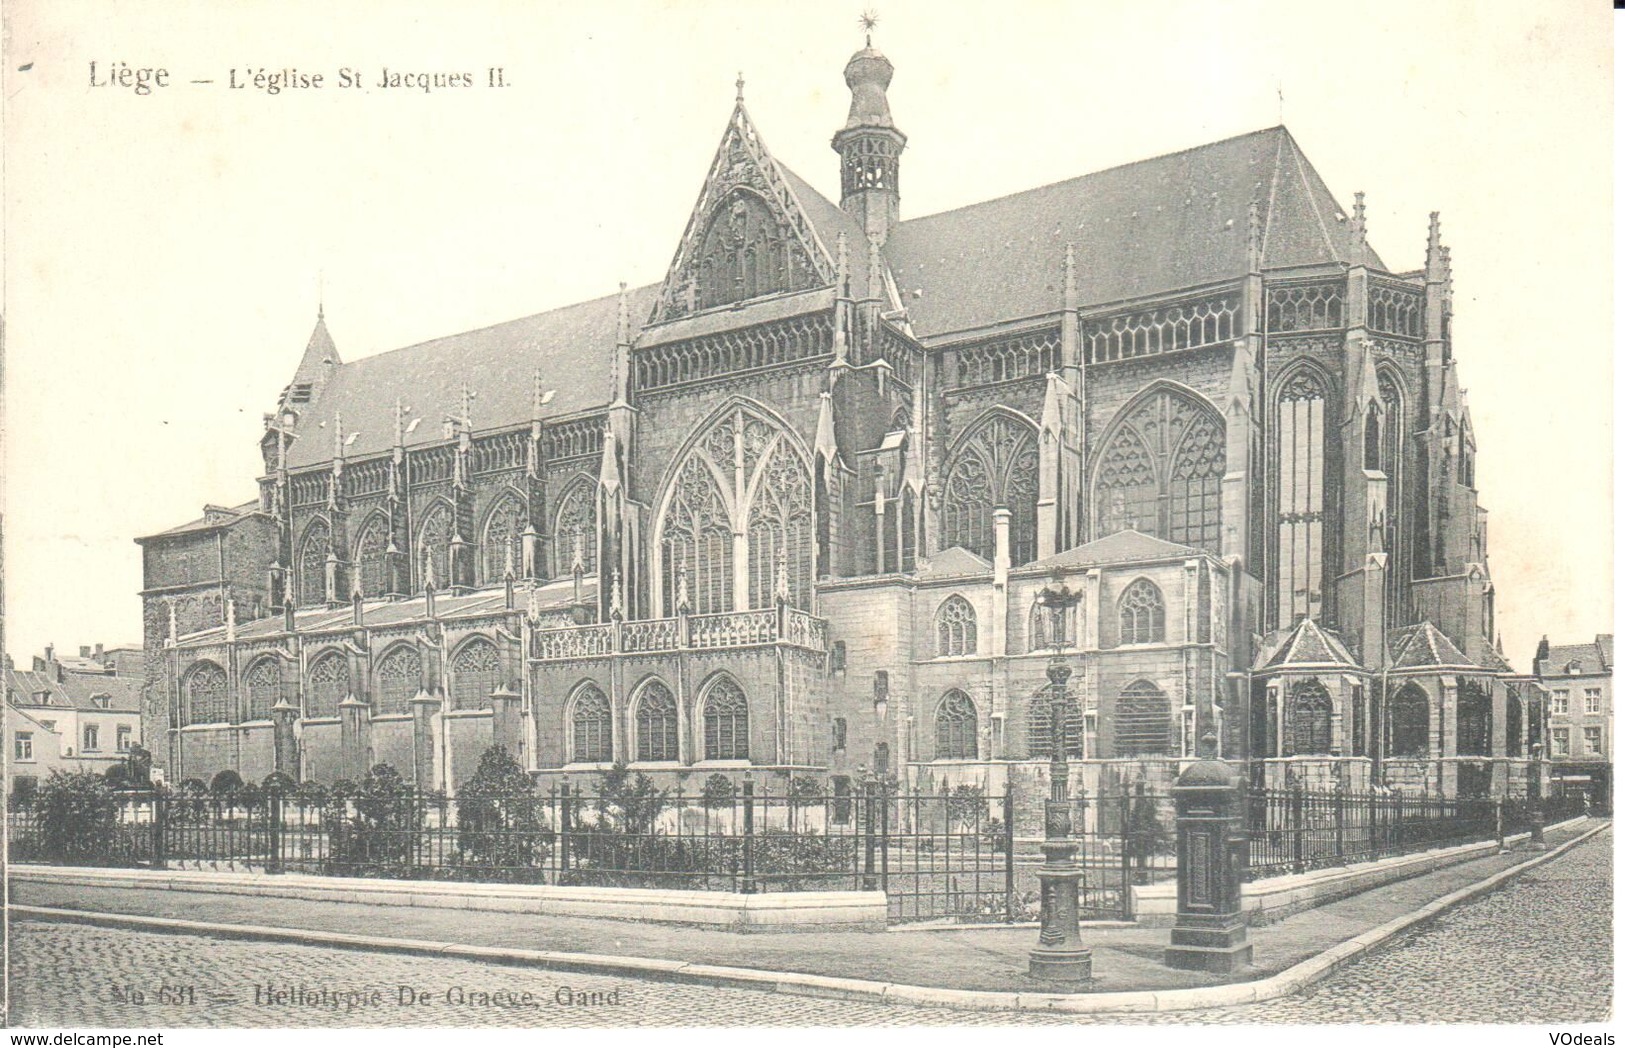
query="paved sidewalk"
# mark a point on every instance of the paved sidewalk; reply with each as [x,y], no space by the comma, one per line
[982,958]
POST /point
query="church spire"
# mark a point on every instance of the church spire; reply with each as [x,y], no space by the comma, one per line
[870,143]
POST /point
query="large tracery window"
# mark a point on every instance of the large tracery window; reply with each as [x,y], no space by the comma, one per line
[575,532]
[657,723]
[995,465]
[1141,616]
[1161,470]
[398,678]
[502,549]
[435,536]
[956,627]
[372,557]
[1300,485]
[476,671]
[263,683]
[742,482]
[313,564]
[592,727]
[1393,464]
[956,727]
[727,722]
[1142,721]
[1309,718]
[744,252]
[327,685]
[207,701]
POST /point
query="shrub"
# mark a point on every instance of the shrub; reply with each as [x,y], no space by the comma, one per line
[78,822]
[225,783]
[718,792]
[379,837]
[498,830]
[967,805]
[629,803]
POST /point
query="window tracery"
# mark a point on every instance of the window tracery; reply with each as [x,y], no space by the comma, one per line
[1141,616]
[476,671]
[503,547]
[372,557]
[995,465]
[263,683]
[313,564]
[1161,471]
[1310,718]
[956,727]
[1300,481]
[592,726]
[399,676]
[727,722]
[956,627]
[207,701]
[435,535]
[327,685]
[657,723]
[575,532]
[1142,721]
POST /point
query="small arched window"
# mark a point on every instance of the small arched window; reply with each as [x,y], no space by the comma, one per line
[956,627]
[657,723]
[727,723]
[476,671]
[327,685]
[372,557]
[1143,720]
[399,676]
[263,683]
[206,698]
[1309,718]
[956,727]
[1408,723]
[592,727]
[1140,614]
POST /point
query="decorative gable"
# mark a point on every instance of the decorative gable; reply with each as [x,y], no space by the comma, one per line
[747,236]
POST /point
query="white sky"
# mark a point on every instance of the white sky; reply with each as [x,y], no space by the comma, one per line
[162,252]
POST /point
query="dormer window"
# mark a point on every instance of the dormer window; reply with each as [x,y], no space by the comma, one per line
[102,702]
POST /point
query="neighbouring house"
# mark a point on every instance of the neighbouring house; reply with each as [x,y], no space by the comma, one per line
[60,718]
[1579,680]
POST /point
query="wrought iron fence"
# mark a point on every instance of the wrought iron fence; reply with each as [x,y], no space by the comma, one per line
[1296,830]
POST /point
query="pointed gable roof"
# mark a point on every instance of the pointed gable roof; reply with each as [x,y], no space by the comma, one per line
[1124,547]
[1304,645]
[955,562]
[1422,646]
[743,164]
[1157,225]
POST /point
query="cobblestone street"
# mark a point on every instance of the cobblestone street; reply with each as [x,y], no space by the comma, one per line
[1535,951]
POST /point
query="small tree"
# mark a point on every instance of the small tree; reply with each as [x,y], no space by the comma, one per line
[803,792]
[967,804]
[718,792]
[497,823]
[225,783]
[629,803]
[78,818]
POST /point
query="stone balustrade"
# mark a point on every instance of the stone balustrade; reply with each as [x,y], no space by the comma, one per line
[732,629]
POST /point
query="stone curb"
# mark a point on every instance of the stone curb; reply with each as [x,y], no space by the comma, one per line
[1289,981]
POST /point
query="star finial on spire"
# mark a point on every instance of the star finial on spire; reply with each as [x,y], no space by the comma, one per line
[739,88]
[321,295]
[868,20]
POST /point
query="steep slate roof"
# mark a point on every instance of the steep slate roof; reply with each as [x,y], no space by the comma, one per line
[1120,548]
[1170,222]
[1422,646]
[1305,644]
[1594,658]
[209,520]
[574,347]
[74,690]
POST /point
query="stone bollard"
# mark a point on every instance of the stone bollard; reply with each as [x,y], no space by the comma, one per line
[1210,932]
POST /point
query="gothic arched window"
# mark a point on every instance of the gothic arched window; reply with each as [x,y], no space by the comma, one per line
[207,701]
[1300,504]
[263,683]
[742,476]
[476,671]
[372,557]
[744,252]
[995,465]
[1141,617]
[502,550]
[781,530]
[1161,470]
[1309,718]
[956,727]
[398,678]
[1408,723]
[657,723]
[1142,721]
[575,532]
[727,722]
[1373,438]
[434,535]
[1393,464]
[327,685]
[1514,725]
[592,727]
[1472,720]
[313,564]
[1041,724]
[956,627]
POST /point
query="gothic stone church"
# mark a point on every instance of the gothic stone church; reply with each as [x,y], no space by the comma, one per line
[831,496]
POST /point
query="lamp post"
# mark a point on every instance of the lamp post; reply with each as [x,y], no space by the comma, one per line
[1060,954]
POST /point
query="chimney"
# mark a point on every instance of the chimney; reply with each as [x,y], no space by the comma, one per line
[84,651]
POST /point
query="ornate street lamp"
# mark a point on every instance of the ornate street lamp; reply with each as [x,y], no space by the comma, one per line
[1060,954]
